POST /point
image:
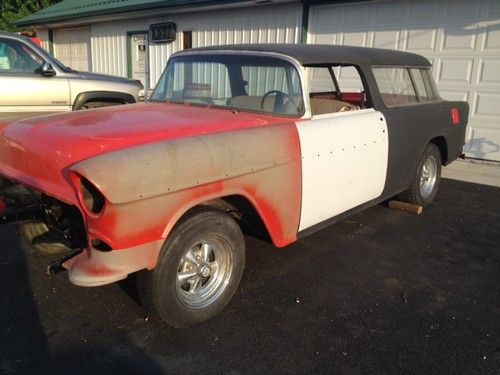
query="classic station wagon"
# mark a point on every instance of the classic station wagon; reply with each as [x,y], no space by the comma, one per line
[284,138]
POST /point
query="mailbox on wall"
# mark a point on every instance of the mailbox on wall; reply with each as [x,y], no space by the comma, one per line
[162,32]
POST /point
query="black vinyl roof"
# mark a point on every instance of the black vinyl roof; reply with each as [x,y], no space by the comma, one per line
[316,54]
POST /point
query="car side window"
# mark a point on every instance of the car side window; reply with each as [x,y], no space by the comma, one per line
[335,89]
[425,85]
[320,80]
[349,79]
[15,57]
[395,86]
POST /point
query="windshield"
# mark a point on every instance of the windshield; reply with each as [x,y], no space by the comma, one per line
[238,82]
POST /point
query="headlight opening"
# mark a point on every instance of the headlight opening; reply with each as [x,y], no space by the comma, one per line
[92,198]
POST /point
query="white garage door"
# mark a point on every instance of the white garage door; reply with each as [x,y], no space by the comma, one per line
[72,48]
[461,38]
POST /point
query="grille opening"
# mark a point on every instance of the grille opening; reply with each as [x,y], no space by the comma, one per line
[92,197]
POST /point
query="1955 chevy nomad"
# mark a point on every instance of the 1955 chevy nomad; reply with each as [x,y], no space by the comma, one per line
[282,137]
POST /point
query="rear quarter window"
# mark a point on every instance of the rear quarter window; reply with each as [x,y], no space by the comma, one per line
[395,86]
[404,86]
[424,84]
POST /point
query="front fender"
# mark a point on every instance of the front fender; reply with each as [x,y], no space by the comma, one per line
[149,187]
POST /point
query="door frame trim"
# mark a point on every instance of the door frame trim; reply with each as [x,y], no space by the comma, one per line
[129,49]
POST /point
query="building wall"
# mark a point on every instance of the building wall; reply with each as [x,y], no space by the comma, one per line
[269,24]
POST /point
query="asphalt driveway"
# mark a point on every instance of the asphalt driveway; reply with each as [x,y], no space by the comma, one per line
[380,292]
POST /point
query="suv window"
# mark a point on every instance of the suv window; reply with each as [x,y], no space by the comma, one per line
[395,86]
[15,57]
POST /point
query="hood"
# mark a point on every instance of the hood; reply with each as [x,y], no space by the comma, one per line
[40,151]
[105,78]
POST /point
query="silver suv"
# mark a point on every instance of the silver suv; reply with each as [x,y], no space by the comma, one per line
[33,82]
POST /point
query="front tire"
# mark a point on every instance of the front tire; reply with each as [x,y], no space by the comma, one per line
[199,268]
[425,184]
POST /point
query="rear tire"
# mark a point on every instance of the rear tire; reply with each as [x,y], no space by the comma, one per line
[425,184]
[199,268]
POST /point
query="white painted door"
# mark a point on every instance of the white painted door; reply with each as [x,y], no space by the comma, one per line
[344,162]
[72,48]
[460,37]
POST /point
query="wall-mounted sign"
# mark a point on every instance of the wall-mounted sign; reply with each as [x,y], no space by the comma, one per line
[162,32]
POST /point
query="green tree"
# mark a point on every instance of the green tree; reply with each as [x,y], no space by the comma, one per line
[13,10]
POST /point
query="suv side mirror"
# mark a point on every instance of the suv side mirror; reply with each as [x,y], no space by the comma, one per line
[47,70]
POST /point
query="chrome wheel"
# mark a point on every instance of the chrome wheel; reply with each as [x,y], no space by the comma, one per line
[428,176]
[204,271]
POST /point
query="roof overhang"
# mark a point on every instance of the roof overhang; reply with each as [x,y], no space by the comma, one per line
[59,16]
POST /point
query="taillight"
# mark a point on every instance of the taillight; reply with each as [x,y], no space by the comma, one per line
[455,116]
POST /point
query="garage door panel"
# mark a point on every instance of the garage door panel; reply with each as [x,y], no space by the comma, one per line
[462,9]
[72,47]
[455,71]
[355,39]
[328,39]
[492,39]
[355,14]
[494,8]
[423,11]
[421,40]
[459,39]
[386,39]
[454,95]
[489,72]
[385,13]
[486,104]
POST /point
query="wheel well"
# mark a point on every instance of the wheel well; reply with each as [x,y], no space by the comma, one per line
[102,97]
[241,210]
[98,102]
[440,142]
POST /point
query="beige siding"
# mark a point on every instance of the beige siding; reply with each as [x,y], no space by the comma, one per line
[264,24]
[109,48]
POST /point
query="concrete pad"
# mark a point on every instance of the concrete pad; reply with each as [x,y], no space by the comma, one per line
[472,171]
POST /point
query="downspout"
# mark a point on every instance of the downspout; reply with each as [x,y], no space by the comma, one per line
[51,42]
[305,21]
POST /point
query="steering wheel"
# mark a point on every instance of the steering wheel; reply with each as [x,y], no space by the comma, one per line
[279,103]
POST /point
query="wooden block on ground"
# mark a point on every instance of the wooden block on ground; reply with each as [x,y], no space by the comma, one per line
[406,207]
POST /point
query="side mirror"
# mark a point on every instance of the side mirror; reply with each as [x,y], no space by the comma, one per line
[47,70]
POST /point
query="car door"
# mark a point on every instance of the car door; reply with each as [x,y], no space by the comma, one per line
[25,91]
[344,155]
